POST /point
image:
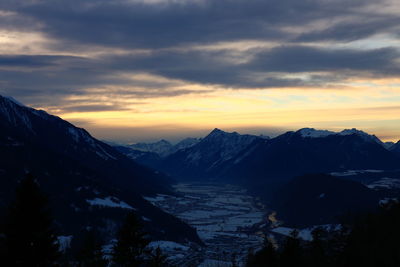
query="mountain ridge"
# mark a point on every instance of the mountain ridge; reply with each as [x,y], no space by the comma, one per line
[90,183]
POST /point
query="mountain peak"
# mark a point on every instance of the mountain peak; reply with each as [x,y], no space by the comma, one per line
[216,130]
[12,99]
[362,134]
[216,133]
[313,133]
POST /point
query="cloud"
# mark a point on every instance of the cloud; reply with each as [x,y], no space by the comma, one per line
[151,49]
[311,59]
[130,24]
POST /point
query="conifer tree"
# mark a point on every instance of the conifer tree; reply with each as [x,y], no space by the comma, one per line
[131,243]
[158,259]
[316,251]
[90,253]
[267,256]
[29,236]
[292,253]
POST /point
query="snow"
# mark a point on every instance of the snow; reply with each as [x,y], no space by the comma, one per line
[167,246]
[387,200]
[312,133]
[14,101]
[110,202]
[214,263]
[385,183]
[64,242]
[158,197]
[225,217]
[161,147]
[364,135]
[108,249]
[306,233]
[354,172]
[146,219]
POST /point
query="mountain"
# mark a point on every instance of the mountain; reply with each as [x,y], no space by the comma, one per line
[388,145]
[204,159]
[90,183]
[312,151]
[185,143]
[161,147]
[322,199]
[395,148]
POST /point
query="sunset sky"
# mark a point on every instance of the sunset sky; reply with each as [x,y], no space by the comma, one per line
[141,70]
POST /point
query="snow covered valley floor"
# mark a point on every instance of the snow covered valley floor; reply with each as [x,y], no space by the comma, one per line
[227,219]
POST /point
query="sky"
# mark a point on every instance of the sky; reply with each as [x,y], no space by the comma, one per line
[141,70]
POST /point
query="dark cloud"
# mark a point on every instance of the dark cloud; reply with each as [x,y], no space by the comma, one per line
[266,69]
[168,31]
[36,60]
[135,24]
[353,30]
[311,59]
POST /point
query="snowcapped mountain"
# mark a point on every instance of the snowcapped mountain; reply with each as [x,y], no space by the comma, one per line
[185,143]
[313,133]
[232,157]
[204,157]
[313,151]
[161,147]
[90,183]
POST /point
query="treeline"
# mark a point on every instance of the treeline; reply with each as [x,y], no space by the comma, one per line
[28,238]
[371,241]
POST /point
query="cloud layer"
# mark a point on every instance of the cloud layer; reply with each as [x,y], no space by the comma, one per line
[101,55]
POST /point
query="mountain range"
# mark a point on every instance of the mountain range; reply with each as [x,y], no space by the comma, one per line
[231,156]
[94,184]
[269,167]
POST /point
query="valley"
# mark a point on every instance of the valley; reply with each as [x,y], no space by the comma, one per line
[226,218]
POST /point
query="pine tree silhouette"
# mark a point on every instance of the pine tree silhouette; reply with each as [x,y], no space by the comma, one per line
[90,253]
[131,243]
[267,256]
[158,259]
[29,236]
[316,252]
[292,253]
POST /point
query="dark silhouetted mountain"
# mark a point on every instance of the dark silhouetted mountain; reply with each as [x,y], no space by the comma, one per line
[388,145]
[161,147]
[396,148]
[204,159]
[185,143]
[321,199]
[311,151]
[89,182]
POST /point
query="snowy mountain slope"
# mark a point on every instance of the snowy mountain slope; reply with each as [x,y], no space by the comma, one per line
[313,133]
[161,147]
[396,148]
[74,168]
[204,158]
[295,153]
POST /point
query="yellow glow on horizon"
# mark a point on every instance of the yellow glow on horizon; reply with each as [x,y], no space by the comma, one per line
[364,105]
